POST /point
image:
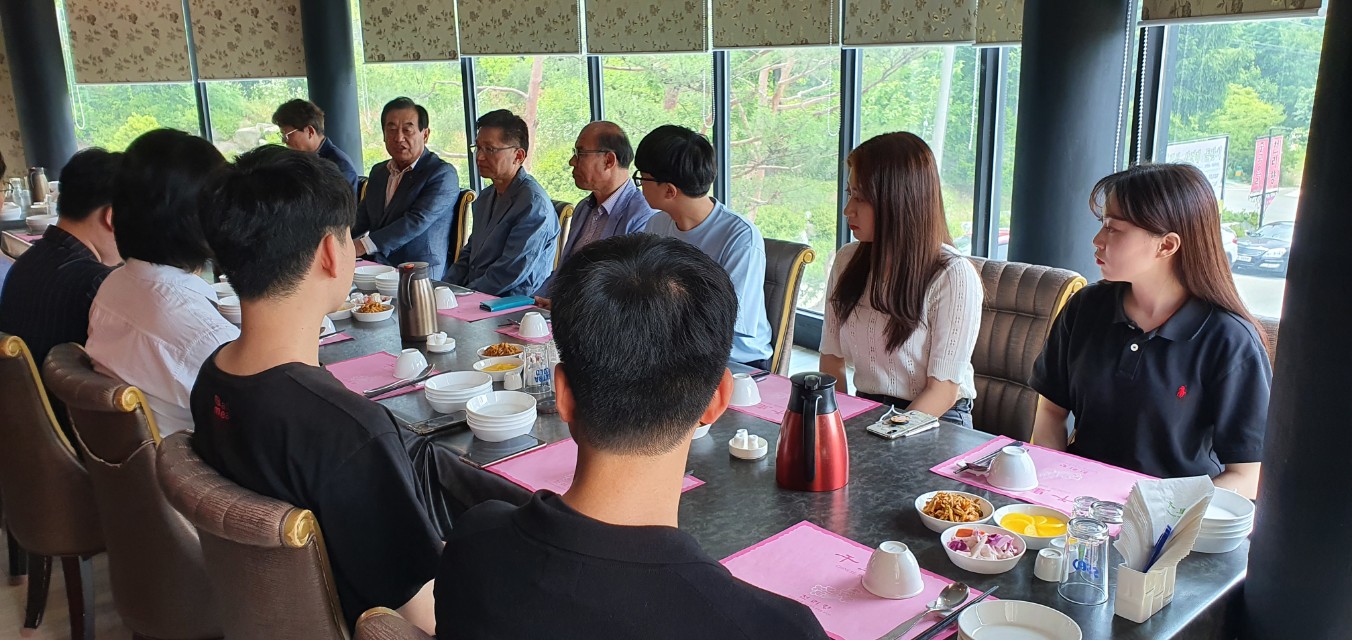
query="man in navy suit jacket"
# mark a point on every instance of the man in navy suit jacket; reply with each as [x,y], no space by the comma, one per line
[409,208]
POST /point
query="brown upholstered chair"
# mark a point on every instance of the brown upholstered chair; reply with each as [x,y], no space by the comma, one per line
[565,211]
[49,503]
[18,558]
[1270,327]
[784,265]
[384,624]
[266,558]
[462,224]
[155,565]
[1021,301]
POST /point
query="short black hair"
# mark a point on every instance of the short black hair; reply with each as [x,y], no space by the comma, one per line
[401,103]
[680,157]
[611,137]
[299,114]
[87,183]
[155,205]
[265,215]
[644,326]
[514,129]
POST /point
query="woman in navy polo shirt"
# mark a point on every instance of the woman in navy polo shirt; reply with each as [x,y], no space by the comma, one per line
[1160,362]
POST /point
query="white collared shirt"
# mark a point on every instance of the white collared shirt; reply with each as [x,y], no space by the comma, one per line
[152,326]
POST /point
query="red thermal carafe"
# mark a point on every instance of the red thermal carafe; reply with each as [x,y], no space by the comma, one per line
[812,454]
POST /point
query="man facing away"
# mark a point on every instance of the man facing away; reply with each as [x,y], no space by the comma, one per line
[606,559]
[302,125]
[676,170]
[601,159]
[511,250]
[409,206]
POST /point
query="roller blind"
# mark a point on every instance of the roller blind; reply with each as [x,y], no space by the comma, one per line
[540,27]
[647,26]
[891,22]
[1181,11]
[11,144]
[408,30]
[999,22]
[760,24]
[128,41]
[247,39]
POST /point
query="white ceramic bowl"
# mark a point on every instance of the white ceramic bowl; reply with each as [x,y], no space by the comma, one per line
[1016,619]
[374,317]
[343,313]
[481,352]
[365,277]
[1209,529]
[1218,545]
[223,290]
[978,565]
[1036,543]
[499,375]
[501,404]
[457,382]
[11,211]
[229,305]
[1228,507]
[701,431]
[39,223]
[937,525]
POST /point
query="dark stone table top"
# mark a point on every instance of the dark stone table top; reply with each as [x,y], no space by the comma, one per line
[740,504]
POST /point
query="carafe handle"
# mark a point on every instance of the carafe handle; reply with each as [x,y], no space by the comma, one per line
[810,403]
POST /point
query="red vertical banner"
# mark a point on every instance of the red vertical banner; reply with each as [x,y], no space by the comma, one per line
[1259,166]
[1267,165]
[1274,164]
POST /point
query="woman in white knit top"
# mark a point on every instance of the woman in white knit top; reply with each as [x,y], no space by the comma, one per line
[903,307]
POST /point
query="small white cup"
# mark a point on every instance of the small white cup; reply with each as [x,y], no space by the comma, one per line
[326,326]
[893,573]
[445,299]
[512,380]
[411,362]
[1048,565]
[533,325]
[745,392]
[1013,469]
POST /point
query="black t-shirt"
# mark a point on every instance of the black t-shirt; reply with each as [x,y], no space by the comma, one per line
[546,571]
[1182,400]
[295,433]
[48,291]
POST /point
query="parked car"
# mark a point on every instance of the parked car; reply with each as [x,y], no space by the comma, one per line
[1230,243]
[1266,249]
[963,243]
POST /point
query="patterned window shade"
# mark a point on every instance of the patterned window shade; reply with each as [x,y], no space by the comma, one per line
[999,22]
[760,24]
[10,144]
[247,39]
[1176,11]
[128,41]
[884,22]
[540,27]
[408,30]
[647,26]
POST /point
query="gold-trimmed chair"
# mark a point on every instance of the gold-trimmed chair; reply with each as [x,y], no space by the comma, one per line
[565,211]
[49,502]
[381,623]
[1021,302]
[159,580]
[265,558]
[463,223]
[784,265]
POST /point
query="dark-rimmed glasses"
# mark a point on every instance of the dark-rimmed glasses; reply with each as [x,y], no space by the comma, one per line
[639,180]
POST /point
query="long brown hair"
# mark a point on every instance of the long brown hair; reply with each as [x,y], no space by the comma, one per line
[897,174]
[1177,198]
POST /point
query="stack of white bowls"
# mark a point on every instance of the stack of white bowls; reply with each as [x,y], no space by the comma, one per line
[37,224]
[365,277]
[448,392]
[388,283]
[229,307]
[501,415]
[1227,522]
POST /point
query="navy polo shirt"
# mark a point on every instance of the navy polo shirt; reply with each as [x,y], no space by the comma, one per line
[1182,400]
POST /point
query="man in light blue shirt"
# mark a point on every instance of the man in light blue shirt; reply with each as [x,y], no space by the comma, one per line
[511,250]
[601,158]
[675,172]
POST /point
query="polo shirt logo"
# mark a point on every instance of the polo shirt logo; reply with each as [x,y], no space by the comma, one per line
[221,411]
[1182,391]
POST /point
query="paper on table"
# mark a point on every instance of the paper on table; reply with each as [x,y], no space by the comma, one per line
[551,467]
[337,337]
[369,372]
[775,391]
[468,310]
[824,571]
[514,331]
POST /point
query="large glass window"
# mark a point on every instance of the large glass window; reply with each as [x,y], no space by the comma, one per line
[1239,108]
[643,92]
[437,86]
[241,111]
[785,126]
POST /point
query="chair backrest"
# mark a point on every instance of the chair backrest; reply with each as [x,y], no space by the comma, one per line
[381,623]
[784,265]
[1021,301]
[49,502]
[159,580]
[361,188]
[1270,327]
[565,211]
[463,223]
[266,558]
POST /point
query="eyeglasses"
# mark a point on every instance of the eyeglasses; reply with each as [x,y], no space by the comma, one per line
[582,152]
[287,134]
[474,148]
[639,180]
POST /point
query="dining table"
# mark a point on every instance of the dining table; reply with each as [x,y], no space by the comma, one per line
[740,504]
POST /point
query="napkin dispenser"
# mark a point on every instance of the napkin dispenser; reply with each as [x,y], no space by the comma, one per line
[1140,595]
[503,304]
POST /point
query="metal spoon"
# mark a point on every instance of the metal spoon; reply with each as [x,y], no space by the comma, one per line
[952,596]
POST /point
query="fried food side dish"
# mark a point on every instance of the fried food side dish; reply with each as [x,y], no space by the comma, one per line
[502,349]
[953,508]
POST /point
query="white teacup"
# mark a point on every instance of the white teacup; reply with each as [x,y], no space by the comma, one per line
[533,325]
[445,299]
[893,573]
[411,362]
[1013,469]
[745,391]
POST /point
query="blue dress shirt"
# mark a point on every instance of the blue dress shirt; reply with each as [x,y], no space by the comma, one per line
[627,212]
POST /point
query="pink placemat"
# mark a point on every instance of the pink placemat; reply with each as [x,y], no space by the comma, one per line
[337,337]
[369,372]
[1061,477]
[367,263]
[30,238]
[468,310]
[824,571]
[775,391]
[514,331]
[551,467]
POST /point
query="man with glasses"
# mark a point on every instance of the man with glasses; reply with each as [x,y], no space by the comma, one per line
[409,206]
[302,128]
[601,158]
[511,250]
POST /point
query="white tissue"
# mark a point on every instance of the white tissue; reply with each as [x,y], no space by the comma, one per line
[1155,505]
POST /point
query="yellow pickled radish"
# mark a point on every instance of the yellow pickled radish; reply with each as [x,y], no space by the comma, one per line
[1032,525]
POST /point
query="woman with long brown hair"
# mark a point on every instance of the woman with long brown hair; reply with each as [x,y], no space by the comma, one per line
[903,306]
[1160,362]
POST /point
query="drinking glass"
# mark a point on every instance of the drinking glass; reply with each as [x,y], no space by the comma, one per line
[1086,579]
[538,377]
[1084,507]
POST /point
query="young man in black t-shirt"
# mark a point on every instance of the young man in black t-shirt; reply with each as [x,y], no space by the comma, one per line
[643,325]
